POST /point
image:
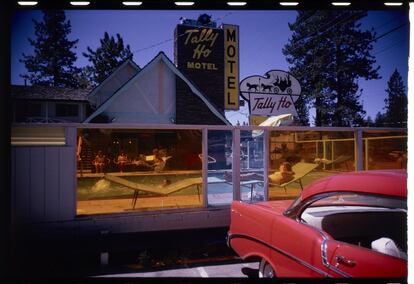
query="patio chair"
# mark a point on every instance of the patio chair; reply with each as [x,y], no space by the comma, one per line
[340,159]
[300,170]
[161,190]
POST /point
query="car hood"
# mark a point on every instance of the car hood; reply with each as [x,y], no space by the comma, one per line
[279,206]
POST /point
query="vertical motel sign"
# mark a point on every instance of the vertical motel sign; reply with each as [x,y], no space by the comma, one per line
[231,67]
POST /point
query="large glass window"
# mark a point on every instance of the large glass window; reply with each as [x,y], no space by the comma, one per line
[122,170]
[385,150]
[251,165]
[298,158]
[25,110]
[220,167]
[67,110]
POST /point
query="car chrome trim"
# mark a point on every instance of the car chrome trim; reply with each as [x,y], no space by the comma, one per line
[280,251]
[324,252]
[325,261]
[228,240]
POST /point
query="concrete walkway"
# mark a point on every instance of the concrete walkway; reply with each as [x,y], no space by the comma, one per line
[225,270]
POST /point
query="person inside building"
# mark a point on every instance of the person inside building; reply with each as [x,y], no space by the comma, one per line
[99,162]
[159,159]
[121,161]
[284,174]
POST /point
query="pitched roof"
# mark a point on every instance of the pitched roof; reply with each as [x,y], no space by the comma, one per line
[173,68]
[48,93]
[109,78]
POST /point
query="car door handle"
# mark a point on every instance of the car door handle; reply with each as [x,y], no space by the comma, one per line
[342,260]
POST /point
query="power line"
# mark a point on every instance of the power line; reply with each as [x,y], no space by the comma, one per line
[390,31]
[389,47]
[171,39]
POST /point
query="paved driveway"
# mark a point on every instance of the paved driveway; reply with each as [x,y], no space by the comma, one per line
[225,270]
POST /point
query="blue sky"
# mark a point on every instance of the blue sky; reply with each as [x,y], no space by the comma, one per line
[262,37]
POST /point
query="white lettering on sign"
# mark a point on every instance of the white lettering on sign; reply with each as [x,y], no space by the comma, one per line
[267,105]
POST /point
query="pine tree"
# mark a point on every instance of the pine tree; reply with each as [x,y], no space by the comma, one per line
[107,57]
[53,61]
[328,53]
[380,119]
[396,102]
[369,122]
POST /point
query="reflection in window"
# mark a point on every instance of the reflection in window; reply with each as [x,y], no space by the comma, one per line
[220,165]
[251,165]
[385,150]
[298,158]
[27,109]
[122,169]
[67,110]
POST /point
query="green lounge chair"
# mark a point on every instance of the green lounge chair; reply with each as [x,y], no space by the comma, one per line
[161,190]
[300,170]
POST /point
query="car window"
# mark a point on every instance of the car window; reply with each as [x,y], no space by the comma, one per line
[357,199]
[374,222]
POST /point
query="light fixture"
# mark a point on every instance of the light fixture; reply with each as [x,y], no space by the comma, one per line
[27,3]
[80,3]
[393,3]
[341,3]
[289,3]
[182,3]
[131,3]
[236,3]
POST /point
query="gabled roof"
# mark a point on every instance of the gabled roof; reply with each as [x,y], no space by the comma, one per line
[160,57]
[109,78]
[48,93]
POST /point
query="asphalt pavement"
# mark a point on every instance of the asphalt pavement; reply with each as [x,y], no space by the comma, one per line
[224,270]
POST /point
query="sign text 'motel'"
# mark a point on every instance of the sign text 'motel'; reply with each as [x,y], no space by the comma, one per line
[231,67]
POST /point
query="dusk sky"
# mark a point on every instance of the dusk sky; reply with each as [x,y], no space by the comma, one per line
[262,37]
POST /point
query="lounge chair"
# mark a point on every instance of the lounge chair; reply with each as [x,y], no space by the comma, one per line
[158,190]
[300,170]
[340,159]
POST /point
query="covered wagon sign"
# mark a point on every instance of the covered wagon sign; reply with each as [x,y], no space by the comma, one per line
[272,94]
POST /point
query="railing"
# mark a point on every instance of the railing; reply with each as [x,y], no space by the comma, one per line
[193,182]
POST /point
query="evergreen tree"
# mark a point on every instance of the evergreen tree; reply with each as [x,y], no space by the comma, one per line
[396,102]
[380,120]
[369,122]
[107,57]
[328,53]
[53,61]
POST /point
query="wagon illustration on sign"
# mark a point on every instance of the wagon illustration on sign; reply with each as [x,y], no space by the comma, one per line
[272,94]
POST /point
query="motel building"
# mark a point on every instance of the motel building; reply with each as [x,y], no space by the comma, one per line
[150,149]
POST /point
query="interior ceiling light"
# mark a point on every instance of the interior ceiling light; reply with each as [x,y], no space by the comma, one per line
[80,3]
[341,3]
[289,3]
[393,3]
[182,3]
[27,3]
[130,3]
[236,3]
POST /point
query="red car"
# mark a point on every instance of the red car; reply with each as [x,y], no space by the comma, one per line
[347,225]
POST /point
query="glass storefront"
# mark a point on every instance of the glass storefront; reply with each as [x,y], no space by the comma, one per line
[251,165]
[384,150]
[123,169]
[220,167]
[298,158]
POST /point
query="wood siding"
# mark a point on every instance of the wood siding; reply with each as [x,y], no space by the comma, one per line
[43,184]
